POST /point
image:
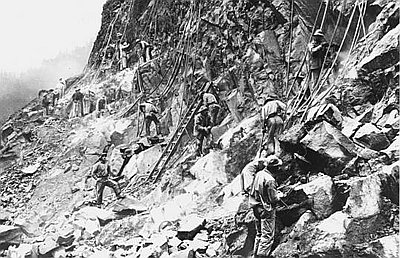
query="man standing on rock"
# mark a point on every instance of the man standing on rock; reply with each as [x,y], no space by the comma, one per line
[271,118]
[101,171]
[263,199]
[202,128]
[317,48]
[77,103]
[150,115]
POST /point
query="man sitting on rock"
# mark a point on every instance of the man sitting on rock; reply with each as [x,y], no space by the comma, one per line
[101,171]
[150,115]
[271,118]
[263,199]
[202,128]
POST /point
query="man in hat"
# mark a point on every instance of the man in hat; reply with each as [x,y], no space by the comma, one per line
[77,103]
[46,102]
[211,103]
[263,199]
[317,48]
[327,111]
[101,171]
[123,53]
[202,128]
[271,118]
[150,115]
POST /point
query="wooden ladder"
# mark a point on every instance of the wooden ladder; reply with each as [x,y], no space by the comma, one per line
[173,143]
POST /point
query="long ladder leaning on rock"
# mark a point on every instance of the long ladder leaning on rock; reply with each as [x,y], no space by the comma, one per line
[176,137]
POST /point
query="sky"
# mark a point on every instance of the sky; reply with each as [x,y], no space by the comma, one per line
[36,30]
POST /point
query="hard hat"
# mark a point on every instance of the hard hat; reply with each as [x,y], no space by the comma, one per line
[273,161]
[318,33]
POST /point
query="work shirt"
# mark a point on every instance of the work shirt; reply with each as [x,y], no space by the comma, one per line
[248,174]
[201,124]
[101,170]
[149,109]
[316,54]
[209,99]
[263,191]
[272,108]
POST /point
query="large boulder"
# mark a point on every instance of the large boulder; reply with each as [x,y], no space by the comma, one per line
[10,235]
[320,190]
[143,162]
[365,197]
[328,149]
[387,247]
[211,168]
[371,137]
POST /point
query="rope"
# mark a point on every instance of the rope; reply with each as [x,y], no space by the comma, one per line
[290,44]
[314,94]
[324,17]
[305,56]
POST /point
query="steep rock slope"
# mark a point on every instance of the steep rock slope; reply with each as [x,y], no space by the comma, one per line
[341,185]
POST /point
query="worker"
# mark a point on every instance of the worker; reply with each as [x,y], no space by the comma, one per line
[77,103]
[327,111]
[248,174]
[271,118]
[101,171]
[126,155]
[211,103]
[263,198]
[150,115]
[123,55]
[101,104]
[50,96]
[145,51]
[46,103]
[202,128]
[60,88]
[317,48]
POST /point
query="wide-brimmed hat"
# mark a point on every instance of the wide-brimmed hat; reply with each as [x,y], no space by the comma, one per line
[318,33]
[273,161]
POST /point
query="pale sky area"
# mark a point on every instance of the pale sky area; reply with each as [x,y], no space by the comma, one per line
[34,30]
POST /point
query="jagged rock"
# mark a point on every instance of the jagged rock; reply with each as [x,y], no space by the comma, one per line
[320,190]
[66,236]
[23,250]
[183,254]
[393,150]
[197,245]
[371,137]
[238,132]
[31,169]
[212,250]
[60,253]
[350,126]
[240,241]
[365,197]
[190,226]
[211,168]
[101,254]
[128,205]
[47,246]
[10,235]
[143,162]
[385,53]
[329,149]
[102,215]
[387,247]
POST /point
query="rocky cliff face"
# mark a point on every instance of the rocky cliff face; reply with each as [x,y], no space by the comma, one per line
[341,182]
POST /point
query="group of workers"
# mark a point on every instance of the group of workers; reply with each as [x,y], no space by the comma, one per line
[49,98]
[257,177]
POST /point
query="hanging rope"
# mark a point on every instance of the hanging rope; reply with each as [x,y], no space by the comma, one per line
[290,43]
[306,52]
[325,77]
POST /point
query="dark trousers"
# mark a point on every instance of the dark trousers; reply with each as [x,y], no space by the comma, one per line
[265,231]
[199,142]
[148,120]
[103,182]
[214,110]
